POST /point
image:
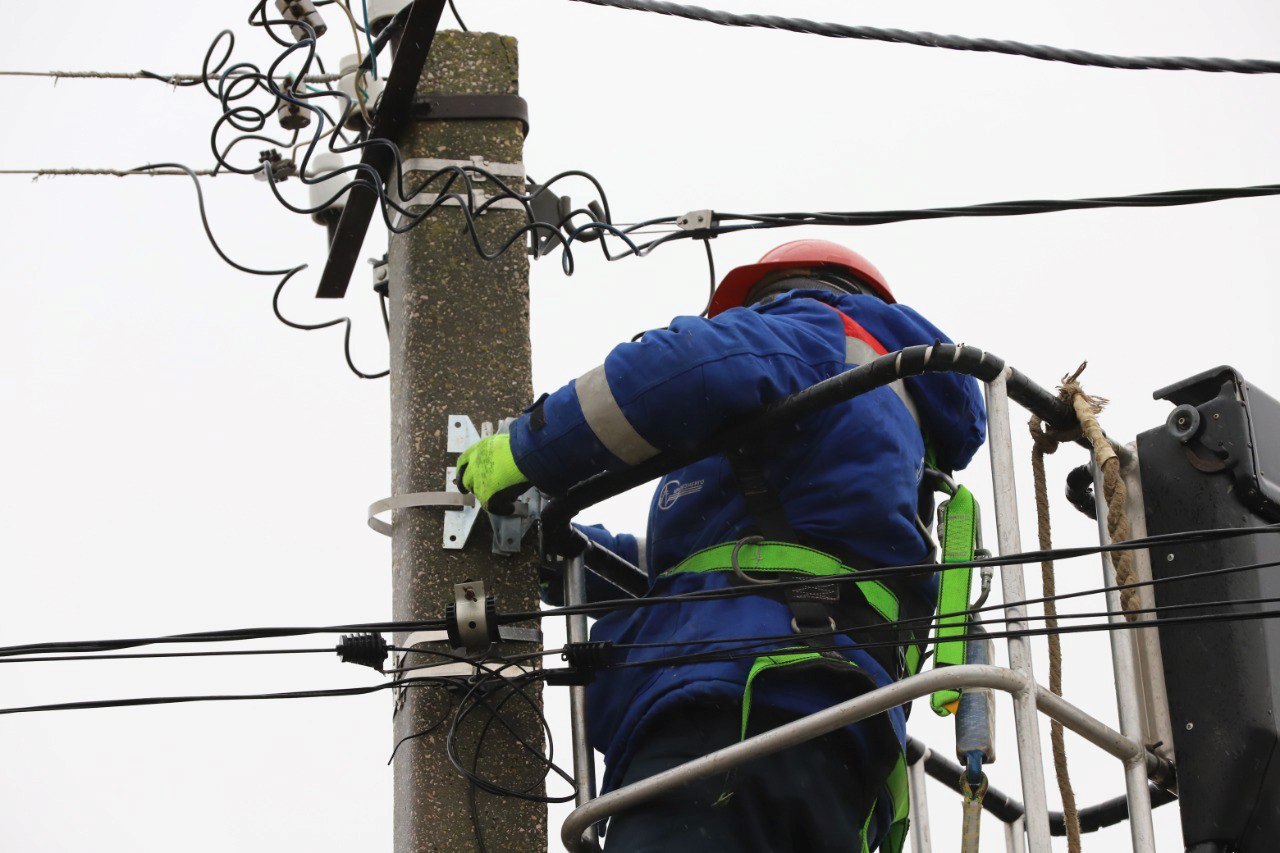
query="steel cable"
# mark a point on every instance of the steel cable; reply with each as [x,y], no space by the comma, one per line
[1043,52]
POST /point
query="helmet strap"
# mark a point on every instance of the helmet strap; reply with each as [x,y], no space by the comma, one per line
[774,285]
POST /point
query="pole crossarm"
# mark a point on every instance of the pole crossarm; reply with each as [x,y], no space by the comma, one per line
[394,114]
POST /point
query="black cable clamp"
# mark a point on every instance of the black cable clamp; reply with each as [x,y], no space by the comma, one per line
[365,649]
[272,161]
[471,621]
[584,660]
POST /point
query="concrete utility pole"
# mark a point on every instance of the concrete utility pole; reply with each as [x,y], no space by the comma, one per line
[459,345]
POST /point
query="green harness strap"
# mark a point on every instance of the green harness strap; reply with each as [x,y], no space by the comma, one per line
[784,557]
[958,535]
[783,657]
[895,787]
[897,790]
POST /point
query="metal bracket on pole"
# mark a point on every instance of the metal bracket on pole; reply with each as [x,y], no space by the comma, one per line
[458,522]
[508,530]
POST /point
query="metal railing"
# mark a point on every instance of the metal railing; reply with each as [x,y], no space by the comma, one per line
[1018,680]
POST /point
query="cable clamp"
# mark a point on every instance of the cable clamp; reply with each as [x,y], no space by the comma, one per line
[584,660]
[279,168]
[697,220]
[471,621]
[365,649]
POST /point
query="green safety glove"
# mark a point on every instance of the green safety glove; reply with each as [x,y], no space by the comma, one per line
[488,470]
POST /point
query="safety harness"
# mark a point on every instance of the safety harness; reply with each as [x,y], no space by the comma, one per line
[818,609]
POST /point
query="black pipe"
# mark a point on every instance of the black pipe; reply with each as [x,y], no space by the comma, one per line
[911,361]
[1007,809]
[1080,491]
[615,571]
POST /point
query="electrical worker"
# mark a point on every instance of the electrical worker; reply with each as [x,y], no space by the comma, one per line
[841,490]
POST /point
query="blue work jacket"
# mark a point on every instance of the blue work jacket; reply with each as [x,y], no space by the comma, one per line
[847,477]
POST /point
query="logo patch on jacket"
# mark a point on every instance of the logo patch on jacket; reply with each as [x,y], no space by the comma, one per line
[674,490]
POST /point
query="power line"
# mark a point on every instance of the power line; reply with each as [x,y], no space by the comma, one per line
[1027,207]
[597,608]
[152,655]
[172,79]
[115,173]
[949,42]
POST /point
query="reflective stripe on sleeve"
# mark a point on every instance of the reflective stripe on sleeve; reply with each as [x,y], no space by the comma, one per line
[605,417]
[858,351]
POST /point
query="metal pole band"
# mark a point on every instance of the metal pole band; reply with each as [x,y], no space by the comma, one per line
[450,499]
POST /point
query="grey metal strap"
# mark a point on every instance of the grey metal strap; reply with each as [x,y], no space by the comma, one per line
[858,351]
[394,502]
[435,164]
[509,633]
[605,417]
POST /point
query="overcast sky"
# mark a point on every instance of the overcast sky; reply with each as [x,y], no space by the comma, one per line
[173,459]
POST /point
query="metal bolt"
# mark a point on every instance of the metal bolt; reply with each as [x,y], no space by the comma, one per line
[1169,558]
[1190,726]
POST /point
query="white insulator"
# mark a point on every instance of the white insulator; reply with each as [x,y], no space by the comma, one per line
[373,89]
[323,166]
[304,11]
[382,11]
[373,94]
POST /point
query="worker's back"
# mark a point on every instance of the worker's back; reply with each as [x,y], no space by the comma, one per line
[847,479]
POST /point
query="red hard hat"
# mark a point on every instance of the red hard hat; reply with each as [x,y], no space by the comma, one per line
[798,254]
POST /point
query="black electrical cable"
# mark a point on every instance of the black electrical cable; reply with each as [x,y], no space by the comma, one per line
[221,697]
[1169,198]
[751,650]
[490,675]
[286,274]
[899,628]
[711,270]
[223,636]
[948,42]
[488,785]
[444,717]
[686,659]
[150,655]
[231,635]
[454,10]
[894,572]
